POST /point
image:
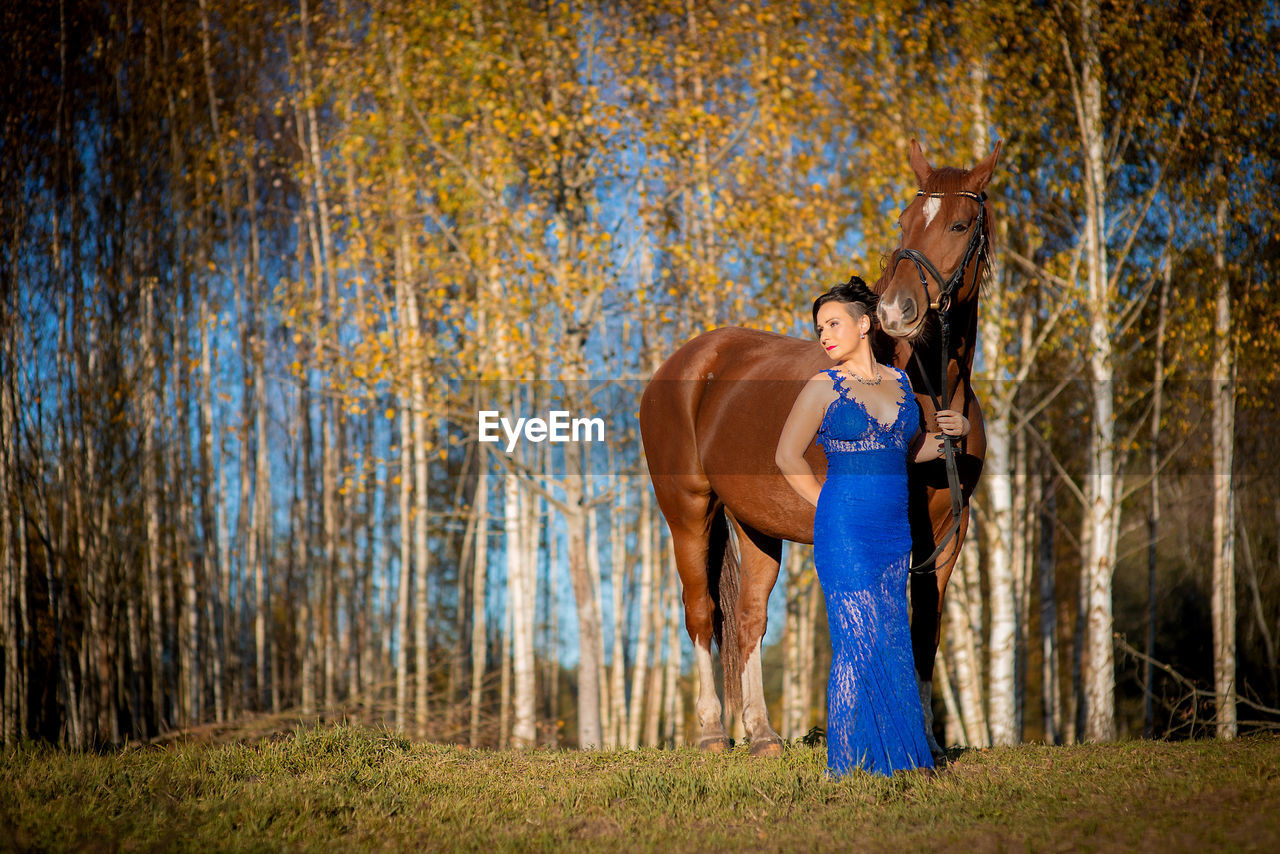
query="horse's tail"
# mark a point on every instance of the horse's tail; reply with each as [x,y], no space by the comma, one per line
[725,577]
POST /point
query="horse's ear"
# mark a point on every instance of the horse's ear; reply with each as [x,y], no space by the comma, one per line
[981,174]
[919,165]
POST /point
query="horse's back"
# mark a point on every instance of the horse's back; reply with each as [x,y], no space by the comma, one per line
[710,421]
[724,373]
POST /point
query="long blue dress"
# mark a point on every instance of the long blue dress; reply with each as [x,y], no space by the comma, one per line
[862,550]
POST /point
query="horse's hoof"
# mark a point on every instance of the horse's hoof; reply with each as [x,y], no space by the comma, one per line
[715,744]
[771,747]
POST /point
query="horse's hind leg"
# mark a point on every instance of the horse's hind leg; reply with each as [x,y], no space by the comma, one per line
[759,556]
[691,549]
[688,513]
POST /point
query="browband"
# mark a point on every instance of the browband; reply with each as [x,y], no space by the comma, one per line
[979,198]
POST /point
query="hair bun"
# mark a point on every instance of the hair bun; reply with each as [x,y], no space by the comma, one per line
[858,292]
[852,292]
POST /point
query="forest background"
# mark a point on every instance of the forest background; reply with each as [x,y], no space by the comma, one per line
[263,263]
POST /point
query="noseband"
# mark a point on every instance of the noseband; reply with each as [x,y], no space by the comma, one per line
[942,305]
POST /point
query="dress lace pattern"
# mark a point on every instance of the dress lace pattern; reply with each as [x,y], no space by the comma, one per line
[862,550]
[874,435]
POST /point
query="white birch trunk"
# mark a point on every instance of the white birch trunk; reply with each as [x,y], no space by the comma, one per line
[370,629]
[1026,492]
[999,529]
[595,576]
[590,730]
[421,439]
[230,624]
[323,281]
[260,536]
[212,554]
[388,556]
[1101,514]
[997,478]
[228,634]
[1223,600]
[151,504]
[1050,696]
[407,335]
[521,601]
[798,646]
[1153,471]
[479,582]
[405,578]
[551,637]
[619,578]
[953,731]
[640,667]
[186,535]
[657,679]
[654,701]
[504,692]
[261,533]
[964,624]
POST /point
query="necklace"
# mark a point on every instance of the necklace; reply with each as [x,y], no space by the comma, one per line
[858,378]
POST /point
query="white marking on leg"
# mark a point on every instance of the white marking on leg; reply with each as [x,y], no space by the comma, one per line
[755,714]
[708,700]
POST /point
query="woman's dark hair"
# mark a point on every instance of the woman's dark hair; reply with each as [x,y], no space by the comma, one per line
[853,292]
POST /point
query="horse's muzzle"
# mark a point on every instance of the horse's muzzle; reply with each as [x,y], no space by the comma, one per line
[900,317]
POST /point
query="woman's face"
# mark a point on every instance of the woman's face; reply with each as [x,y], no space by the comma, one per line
[840,328]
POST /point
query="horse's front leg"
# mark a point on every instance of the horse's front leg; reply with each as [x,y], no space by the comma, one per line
[927,592]
[760,556]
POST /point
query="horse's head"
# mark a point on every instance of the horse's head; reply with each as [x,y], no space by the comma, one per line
[944,241]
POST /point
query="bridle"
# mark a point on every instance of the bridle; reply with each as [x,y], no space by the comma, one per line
[947,289]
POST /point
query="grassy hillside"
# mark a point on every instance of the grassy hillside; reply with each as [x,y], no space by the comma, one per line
[355,789]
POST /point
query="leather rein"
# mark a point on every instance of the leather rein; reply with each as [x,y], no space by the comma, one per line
[947,289]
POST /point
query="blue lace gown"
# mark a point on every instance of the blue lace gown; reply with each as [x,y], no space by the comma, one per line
[862,550]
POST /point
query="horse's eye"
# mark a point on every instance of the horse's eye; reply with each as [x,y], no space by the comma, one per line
[959,226]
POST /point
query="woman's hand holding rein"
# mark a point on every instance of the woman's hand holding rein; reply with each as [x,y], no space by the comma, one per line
[930,446]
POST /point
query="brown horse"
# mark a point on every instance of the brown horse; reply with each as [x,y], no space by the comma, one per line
[710,420]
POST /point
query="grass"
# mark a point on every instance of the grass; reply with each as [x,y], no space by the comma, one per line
[349,788]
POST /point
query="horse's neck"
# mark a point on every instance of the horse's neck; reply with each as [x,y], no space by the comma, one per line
[964,337]
[961,344]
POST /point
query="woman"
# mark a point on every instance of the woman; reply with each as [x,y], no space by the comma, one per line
[866,419]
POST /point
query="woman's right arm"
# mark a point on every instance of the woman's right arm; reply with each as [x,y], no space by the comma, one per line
[797,434]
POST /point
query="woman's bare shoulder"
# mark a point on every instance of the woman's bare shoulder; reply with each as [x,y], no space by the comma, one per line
[821,378]
[819,389]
